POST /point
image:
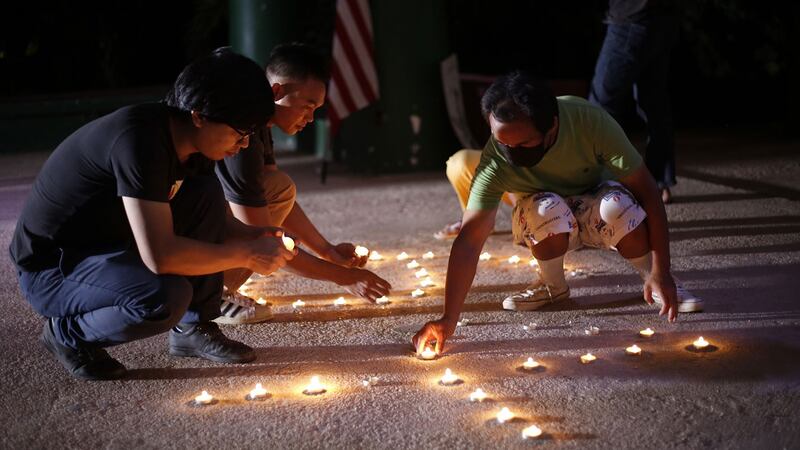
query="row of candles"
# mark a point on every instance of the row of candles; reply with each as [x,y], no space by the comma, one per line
[504,415]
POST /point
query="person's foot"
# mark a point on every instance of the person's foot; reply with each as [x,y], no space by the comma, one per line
[83,363]
[237,309]
[534,297]
[205,340]
[666,195]
[449,231]
[687,302]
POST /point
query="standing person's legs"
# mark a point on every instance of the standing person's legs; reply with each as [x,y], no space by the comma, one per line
[617,68]
[653,101]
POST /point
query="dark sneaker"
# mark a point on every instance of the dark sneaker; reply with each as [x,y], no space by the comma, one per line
[83,363]
[205,340]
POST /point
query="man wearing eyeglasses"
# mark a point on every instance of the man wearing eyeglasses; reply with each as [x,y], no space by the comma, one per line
[262,195]
[125,233]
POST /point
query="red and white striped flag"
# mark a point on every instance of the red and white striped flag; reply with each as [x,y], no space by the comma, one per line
[354,81]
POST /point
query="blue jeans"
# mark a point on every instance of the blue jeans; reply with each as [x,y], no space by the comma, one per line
[634,63]
[109,297]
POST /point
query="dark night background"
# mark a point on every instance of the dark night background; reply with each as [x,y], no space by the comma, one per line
[736,64]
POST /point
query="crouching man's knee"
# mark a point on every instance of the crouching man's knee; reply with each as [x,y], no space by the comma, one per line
[161,305]
[540,216]
[621,214]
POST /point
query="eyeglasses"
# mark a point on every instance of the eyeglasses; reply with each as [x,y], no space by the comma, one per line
[243,134]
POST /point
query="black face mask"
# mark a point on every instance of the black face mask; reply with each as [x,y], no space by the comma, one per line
[523,156]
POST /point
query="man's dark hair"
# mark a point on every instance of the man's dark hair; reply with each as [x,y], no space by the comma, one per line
[298,62]
[518,95]
[224,87]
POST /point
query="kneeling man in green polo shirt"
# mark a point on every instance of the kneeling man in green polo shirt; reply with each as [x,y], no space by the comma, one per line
[578,180]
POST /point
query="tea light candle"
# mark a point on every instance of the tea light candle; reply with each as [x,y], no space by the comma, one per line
[413,264]
[513,259]
[477,395]
[647,332]
[375,256]
[370,381]
[258,393]
[428,255]
[297,304]
[261,301]
[504,415]
[700,343]
[417,293]
[592,331]
[588,358]
[204,399]
[449,378]
[288,242]
[633,350]
[533,262]
[427,354]
[314,387]
[530,364]
[421,273]
[485,256]
[402,256]
[426,282]
[339,301]
[382,300]
[531,432]
[361,251]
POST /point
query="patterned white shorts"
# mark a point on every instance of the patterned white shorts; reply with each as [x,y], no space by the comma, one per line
[598,218]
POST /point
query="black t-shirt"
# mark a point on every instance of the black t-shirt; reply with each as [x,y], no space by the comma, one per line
[76,198]
[242,175]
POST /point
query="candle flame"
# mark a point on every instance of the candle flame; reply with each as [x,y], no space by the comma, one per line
[417,293]
[587,358]
[530,364]
[421,273]
[361,251]
[531,432]
[428,255]
[477,396]
[504,415]
[513,260]
[647,332]
[375,256]
[485,256]
[633,350]
[402,256]
[413,264]
[288,242]
[700,343]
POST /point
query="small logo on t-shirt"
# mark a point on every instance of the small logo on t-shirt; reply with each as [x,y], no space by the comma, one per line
[174,189]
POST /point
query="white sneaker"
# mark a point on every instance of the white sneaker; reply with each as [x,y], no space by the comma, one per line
[687,302]
[534,297]
[237,309]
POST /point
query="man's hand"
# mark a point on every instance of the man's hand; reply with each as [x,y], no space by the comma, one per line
[344,254]
[664,286]
[365,284]
[268,254]
[437,330]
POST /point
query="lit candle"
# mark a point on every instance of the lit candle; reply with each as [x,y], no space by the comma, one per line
[485,256]
[633,350]
[513,260]
[700,343]
[530,326]
[361,251]
[261,301]
[402,256]
[297,304]
[417,293]
[314,387]
[244,290]
[533,262]
[369,381]
[288,242]
[477,396]
[588,358]
[421,273]
[426,282]
[427,354]
[592,331]
[258,393]
[449,378]
[504,415]
[530,364]
[531,432]
[375,256]
[647,332]
[428,255]
[204,398]
[339,301]
[382,300]
[413,264]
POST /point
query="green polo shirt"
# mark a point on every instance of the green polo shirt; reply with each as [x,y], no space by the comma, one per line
[591,148]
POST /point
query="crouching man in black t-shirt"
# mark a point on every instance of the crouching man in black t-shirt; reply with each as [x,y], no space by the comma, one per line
[126,232]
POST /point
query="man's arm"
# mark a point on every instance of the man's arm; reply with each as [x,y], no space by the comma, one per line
[164,252]
[476,227]
[644,188]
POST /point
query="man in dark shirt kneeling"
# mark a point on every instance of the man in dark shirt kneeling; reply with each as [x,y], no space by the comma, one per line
[125,234]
